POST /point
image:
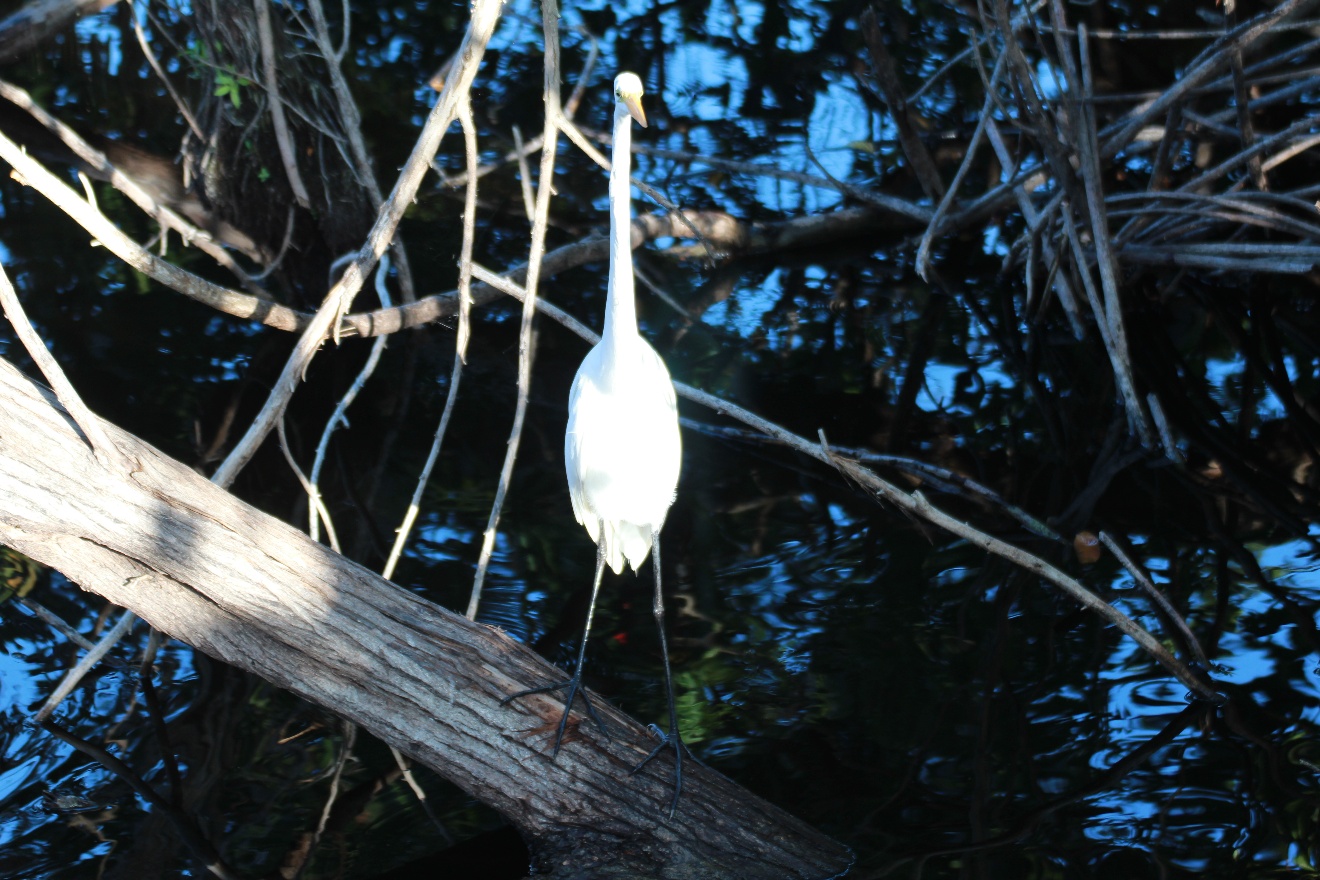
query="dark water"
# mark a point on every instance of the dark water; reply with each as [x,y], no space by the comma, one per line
[941,712]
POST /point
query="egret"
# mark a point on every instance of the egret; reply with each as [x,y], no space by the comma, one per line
[622,450]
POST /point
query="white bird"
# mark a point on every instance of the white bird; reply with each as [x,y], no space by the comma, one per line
[622,450]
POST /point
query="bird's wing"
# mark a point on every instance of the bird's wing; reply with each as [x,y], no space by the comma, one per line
[573,460]
[667,447]
[622,450]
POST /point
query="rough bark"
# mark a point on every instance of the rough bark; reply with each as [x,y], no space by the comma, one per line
[208,569]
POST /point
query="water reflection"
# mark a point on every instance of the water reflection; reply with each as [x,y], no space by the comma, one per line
[939,711]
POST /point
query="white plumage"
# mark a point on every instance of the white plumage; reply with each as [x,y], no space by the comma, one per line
[622,448]
[622,451]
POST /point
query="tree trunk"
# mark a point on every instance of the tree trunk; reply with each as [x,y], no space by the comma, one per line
[208,569]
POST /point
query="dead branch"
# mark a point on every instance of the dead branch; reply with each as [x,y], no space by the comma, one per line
[885,71]
[326,322]
[157,205]
[544,189]
[283,137]
[253,591]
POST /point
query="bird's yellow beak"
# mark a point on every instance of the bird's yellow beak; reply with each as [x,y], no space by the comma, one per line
[634,105]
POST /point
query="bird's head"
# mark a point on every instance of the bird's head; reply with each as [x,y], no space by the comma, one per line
[628,91]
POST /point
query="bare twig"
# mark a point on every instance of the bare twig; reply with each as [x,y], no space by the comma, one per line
[1188,257]
[484,15]
[885,72]
[1061,285]
[1112,313]
[411,779]
[460,342]
[55,622]
[314,497]
[187,829]
[1157,596]
[339,416]
[942,478]
[526,149]
[87,422]
[341,760]
[1243,157]
[352,128]
[985,118]
[544,189]
[283,138]
[883,201]
[1207,65]
[525,175]
[917,504]
[85,665]
[184,110]
[1242,102]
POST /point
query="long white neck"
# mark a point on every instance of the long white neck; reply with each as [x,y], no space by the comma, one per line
[620,307]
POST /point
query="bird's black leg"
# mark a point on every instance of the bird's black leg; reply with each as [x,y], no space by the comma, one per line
[574,684]
[671,739]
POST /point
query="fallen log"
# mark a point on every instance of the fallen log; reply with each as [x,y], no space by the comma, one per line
[203,567]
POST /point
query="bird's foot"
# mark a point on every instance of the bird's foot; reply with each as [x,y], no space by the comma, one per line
[673,740]
[575,690]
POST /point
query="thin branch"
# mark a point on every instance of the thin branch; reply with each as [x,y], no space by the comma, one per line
[917,504]
[544,189]
[1112,314]
[1208,64]
[983,119]
[341,761]
[352,126]
[525,176]
[283,138]
[485,13]
[55,622]
[945,480]
[150,55]
[460,344]
[105,451]
[1244,156]
[892,204]
[1177,256]
[1061,285]
[1157,596]
[314,497]
[885,72]
[1241,102]
[411,779]
[339,416]
[532,146]
[188,831]
[85,665]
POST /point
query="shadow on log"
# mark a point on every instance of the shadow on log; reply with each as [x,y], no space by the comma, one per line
[204,567]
